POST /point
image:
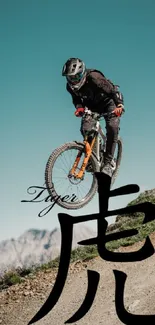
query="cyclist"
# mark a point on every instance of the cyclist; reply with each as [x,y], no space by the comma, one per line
[90,88]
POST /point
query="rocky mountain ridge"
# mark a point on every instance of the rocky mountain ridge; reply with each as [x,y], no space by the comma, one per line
[36,247]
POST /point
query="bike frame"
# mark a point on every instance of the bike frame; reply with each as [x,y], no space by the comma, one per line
[88,151]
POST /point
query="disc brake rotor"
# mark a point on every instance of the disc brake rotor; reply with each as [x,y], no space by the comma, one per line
[74,180]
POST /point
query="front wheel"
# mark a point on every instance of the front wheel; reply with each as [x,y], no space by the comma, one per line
[69,192]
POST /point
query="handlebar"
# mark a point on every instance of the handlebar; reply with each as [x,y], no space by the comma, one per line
[97,115]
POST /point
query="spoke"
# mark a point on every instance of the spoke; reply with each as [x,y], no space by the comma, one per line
[65,162]
[79,190]
[60,176]
[57,181]
[65,192]
[82,185]
[63,170]
[70,163]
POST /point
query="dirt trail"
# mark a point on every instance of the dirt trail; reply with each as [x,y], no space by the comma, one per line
[19,303]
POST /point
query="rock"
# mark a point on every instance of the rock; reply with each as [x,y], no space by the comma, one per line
[26,293]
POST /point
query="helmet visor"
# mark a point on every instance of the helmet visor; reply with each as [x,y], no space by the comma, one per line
[76,78]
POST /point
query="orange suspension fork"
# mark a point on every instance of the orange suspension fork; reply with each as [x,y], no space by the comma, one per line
[88,151]
[75,165]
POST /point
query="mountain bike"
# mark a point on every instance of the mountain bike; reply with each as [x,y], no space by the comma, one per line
[86,158]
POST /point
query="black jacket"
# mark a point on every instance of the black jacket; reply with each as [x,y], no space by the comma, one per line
[97,93]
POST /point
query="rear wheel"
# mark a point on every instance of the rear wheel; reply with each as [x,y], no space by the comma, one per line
[69,192]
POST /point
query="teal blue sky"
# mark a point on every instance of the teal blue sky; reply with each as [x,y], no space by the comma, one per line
[37,37]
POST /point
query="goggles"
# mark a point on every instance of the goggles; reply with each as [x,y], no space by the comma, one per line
[76,78]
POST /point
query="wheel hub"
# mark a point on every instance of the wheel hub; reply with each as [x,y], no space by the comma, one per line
[74,180]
